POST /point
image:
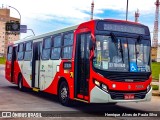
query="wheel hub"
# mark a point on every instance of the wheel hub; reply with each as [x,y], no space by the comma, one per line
[64,93]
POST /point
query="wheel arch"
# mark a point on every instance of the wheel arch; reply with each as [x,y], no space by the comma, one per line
[62,79]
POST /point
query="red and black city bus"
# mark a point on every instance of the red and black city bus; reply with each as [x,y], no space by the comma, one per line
[99,61]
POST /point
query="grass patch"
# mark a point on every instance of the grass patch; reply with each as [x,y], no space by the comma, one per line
[2,60]
[155,70]
[155,87]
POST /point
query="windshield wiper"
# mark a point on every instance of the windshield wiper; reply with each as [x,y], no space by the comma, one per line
[114,41]
[139,38]
[138,43]
[113,37]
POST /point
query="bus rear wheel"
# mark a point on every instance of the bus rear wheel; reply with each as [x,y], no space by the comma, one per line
[63,94]
[20,83]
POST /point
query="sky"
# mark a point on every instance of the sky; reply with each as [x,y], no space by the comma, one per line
[48,15]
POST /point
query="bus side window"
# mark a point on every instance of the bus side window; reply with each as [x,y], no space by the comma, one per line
[28,51]
[20,51]
[56,50]
[9,54]
[46,48]
[67,46]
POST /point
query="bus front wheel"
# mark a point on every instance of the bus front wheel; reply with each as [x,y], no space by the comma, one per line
[63,93]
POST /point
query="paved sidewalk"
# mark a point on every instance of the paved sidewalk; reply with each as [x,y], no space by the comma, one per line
[155,83]
[1,70]
[155,93]
[2,65]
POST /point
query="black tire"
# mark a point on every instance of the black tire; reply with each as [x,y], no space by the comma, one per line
[63,94]
[114,103]
[20,83]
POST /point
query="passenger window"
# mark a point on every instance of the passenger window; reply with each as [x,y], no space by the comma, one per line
[47,43]
[28,55]
[46,54]
[67,52]
[28,51]
[55,53]
[46,49]
[9,55]
[10,49]
[68,39]
[56,50]
[20,47]
[28,46]
[57,41]
[20,51]
[67,46]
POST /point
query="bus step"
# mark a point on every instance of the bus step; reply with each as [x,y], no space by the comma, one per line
[86,98]
[80,96]
[36,89]
[81,100]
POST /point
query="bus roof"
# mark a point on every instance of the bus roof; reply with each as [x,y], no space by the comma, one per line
[47,34]
[72,28]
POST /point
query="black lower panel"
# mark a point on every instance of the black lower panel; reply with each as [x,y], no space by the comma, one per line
[120,95]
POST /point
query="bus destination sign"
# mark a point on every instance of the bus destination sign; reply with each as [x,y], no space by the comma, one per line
[121,28]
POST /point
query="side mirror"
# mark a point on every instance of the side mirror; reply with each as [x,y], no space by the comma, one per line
[91,44]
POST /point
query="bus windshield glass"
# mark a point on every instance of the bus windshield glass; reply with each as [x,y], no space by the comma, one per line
[122,54]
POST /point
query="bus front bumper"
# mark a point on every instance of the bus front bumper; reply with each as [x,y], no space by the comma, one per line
[99,96]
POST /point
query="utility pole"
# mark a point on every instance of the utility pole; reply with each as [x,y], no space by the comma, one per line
[127,11]
[136,16]
[92,9]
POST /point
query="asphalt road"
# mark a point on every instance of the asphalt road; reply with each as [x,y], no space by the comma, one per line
[11,99]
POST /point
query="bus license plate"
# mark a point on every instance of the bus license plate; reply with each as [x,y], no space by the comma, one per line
[128,96]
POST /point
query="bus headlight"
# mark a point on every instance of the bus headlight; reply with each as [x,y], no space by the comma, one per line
[97,83]
[104,87]
[101,85]
[148,88]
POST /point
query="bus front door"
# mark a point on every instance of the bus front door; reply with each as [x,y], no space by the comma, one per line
[82,66]
[37,48]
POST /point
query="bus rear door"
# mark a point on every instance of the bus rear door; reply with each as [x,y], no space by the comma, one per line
[37,48]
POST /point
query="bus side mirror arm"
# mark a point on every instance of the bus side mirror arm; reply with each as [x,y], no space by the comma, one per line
[92,46]
[91,55]
[92,42]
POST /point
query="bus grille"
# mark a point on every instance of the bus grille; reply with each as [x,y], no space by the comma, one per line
[128,78]
[120,95]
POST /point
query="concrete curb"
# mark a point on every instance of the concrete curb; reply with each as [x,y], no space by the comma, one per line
[2,65]
[155,93]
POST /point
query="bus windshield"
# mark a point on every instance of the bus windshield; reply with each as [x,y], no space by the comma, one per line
[122,54]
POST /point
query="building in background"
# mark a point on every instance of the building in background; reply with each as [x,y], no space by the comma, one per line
[4,38]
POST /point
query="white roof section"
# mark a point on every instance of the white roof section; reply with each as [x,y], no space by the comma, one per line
[47,34]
